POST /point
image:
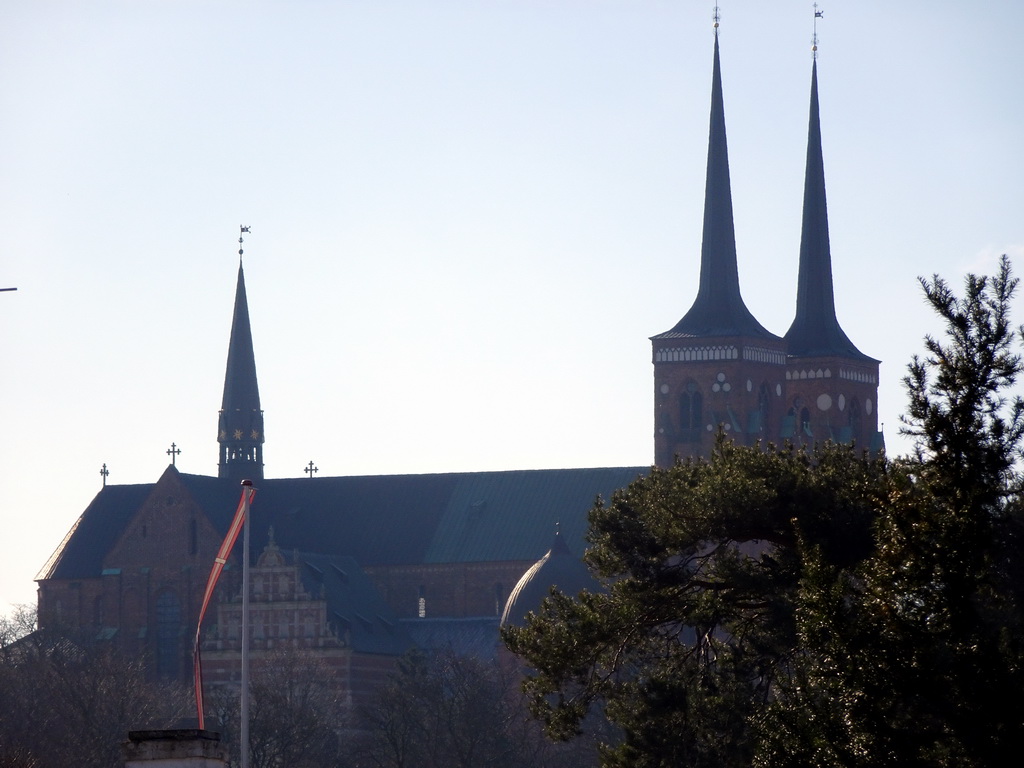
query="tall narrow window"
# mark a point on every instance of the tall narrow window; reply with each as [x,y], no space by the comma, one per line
[854,417]
[690,406]
[168,627]
[805,422]
[193,537]
[764,404]
[421,603]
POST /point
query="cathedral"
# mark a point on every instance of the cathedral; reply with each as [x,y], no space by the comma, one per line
[362,569]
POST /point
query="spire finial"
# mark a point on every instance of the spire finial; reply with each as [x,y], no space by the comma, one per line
[814,36]
[242,229]
[717,17]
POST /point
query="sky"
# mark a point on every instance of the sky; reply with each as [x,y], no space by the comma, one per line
[467,219]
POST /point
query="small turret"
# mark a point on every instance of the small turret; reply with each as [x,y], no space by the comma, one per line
[240,429]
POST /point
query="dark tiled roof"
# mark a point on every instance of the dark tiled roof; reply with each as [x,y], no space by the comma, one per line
[377,520]
[511,515]
[354,607]
[81,553]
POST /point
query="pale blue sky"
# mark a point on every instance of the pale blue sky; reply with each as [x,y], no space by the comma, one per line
[467,219]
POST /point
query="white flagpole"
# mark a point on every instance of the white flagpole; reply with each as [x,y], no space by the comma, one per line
[244,717]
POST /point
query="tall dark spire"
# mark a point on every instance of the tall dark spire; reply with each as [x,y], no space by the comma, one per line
[718,309]
[815,331]
[240,432]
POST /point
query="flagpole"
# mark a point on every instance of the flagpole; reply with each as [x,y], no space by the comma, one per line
[244,717]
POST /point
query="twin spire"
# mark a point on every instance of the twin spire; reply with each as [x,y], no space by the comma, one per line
[718,309]
[815,331]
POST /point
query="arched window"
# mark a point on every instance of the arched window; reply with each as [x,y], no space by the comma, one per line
[421,603]
[691,405]
[168,628]
[764,404]
[853,415]
[805,423]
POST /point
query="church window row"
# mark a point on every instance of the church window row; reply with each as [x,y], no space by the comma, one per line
[854,374]
[763,355]
[692,354]
[691,417]
[812,374]
[693,420]
[243,453]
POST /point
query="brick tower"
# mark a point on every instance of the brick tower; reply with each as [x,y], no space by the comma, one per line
[832,386]
[718,365]
[718,368]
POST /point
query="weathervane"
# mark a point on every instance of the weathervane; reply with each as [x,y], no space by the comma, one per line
[814,36]
[241,230]
[717,17]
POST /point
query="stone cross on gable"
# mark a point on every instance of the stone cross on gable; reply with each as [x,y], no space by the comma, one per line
[173,452]
[104,472]
[311,469]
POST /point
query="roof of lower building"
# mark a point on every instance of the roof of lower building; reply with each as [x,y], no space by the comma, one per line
[377,520]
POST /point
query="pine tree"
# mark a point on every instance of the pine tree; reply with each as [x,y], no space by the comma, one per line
[815,608]
[914,657]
